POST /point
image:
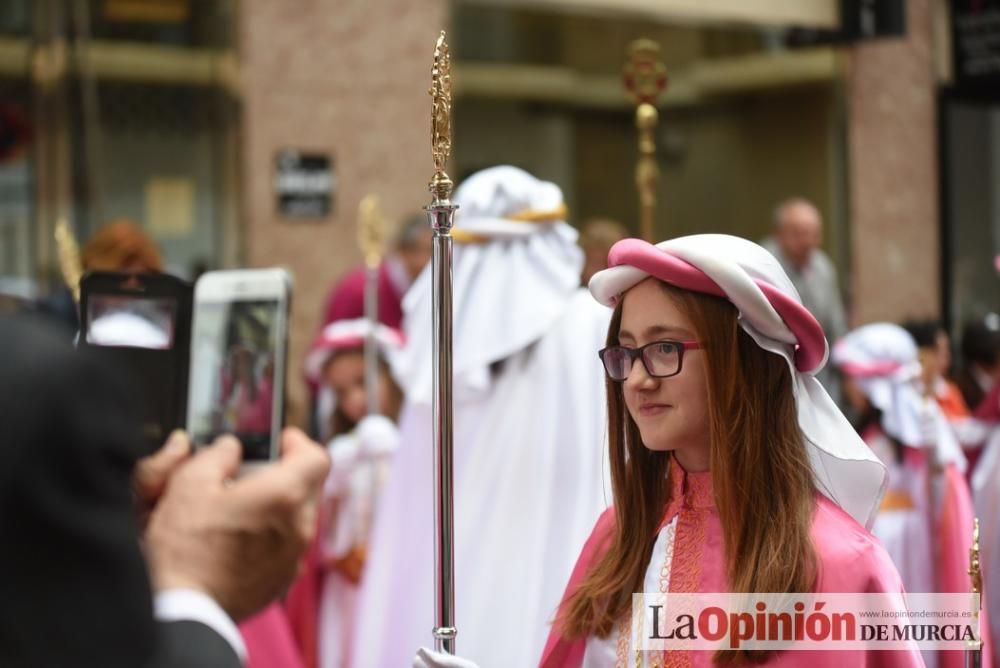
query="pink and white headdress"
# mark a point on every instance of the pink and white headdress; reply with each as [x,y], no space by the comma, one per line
[771,312]
[882,359]
[347,335]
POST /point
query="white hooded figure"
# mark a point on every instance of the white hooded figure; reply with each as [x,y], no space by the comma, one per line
[530,420]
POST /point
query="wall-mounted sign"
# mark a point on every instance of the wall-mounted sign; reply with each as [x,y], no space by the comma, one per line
[305,184]
[170,206]
[976,40]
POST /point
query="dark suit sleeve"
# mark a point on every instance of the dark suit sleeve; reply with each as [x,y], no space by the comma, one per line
[192,645]
[76,591]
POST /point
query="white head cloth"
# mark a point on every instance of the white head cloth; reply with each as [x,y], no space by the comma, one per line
[346,335]
[882,360]
[510,283]
[751,278]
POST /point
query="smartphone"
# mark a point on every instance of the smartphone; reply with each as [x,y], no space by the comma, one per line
[141,324]
[239,353]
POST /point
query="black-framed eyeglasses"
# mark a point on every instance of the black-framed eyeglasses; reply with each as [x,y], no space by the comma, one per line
[661,359]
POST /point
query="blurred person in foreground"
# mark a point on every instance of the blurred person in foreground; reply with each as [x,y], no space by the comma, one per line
[795,242]
[597,236]
[77,498]
[123,246]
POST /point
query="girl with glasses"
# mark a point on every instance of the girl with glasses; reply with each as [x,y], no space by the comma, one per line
[732,470]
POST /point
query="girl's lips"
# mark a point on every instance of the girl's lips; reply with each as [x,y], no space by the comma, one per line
[649,410]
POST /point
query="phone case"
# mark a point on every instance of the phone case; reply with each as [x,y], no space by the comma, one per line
[141,324]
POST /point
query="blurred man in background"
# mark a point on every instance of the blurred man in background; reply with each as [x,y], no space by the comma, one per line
[597,236]
[795,242]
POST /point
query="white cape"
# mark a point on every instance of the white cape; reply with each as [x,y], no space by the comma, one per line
[530,482]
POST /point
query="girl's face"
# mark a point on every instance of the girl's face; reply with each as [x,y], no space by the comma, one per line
[935,359]
[672,412]
[942,345]
[345,375]
[854,395]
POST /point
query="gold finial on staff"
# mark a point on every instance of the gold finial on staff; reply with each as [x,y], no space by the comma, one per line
[645,79]
[69,258]
[371,230]
[974,648]
[974,572]
[441,184]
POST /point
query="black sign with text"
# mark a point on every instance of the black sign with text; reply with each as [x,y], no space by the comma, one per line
[304,184]
[976,40]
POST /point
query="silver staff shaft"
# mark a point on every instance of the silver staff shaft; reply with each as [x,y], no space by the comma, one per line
[441,216]
[371,345]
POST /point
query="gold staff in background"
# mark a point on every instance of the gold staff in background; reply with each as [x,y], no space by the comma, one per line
[69,258]
[441,215]
[974,649]
[645,79]
[371,241]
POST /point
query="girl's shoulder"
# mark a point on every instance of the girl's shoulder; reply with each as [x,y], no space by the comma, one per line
[850,558]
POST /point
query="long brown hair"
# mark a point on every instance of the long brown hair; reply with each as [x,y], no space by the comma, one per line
[761,477]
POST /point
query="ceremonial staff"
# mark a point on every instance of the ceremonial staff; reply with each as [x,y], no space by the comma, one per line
[371,241]
[645,78]
[974,648]
[441,214]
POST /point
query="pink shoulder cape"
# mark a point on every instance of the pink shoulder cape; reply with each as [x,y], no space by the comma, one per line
[851,560]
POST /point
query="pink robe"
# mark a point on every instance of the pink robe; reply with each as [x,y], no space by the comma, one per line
[269,640]
[347,300]
[850,560]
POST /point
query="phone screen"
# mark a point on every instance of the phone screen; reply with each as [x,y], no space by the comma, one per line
[133,322]
[232,383]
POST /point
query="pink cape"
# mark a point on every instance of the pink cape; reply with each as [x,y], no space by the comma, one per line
[269,640]
[851,560]
[302,606]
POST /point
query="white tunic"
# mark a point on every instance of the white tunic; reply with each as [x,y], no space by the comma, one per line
[606,652]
